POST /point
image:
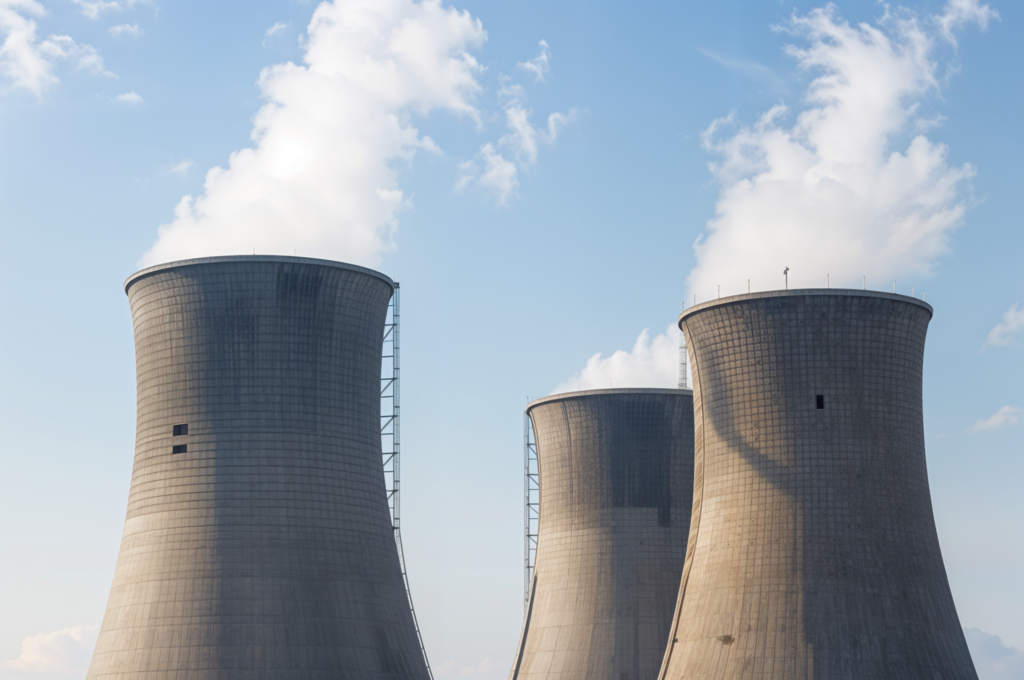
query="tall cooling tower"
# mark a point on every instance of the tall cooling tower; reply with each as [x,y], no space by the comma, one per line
[258,541]
[813,551]
[616,483]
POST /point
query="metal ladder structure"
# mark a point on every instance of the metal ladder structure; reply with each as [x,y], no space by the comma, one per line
[531,505]
[390,431]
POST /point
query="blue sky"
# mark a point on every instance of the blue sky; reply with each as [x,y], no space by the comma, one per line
[540,205]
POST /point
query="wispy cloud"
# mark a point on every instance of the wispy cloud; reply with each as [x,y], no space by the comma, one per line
[61,654]
[1007,330]
[482,667]
[122,30]
[957,13]
[1004,417]
[278,28]
[182,167]
[492,171]
[540,65]
[490,168]
[750,69]
[129,98]
[26,61]
[92,9]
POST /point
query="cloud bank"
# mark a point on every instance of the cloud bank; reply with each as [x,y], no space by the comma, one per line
[61,654]
[321,176]
[822,190]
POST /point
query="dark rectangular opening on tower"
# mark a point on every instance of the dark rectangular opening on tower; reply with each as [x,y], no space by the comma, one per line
[180,448]
[180,430]
[820,401]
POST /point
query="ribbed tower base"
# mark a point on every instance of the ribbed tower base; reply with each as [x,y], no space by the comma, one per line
[258,541]
[616,480]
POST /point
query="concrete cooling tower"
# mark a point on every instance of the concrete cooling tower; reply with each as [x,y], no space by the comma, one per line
[258,541]
[616,482]
[812,549]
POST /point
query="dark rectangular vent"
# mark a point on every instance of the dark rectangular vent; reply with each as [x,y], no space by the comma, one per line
[180,430]
[180,448]
[821,400]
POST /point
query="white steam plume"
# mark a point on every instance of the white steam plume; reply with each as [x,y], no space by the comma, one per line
[320,177]
[826,195]
[651,363]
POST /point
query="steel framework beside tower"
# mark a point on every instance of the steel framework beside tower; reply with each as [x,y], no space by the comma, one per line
[390,430]
[531,505]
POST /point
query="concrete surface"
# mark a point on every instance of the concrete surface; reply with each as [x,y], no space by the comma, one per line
[266,549]
[813,551]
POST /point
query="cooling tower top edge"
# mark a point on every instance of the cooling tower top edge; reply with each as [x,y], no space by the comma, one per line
[561,396]
[142,273]
[806,292]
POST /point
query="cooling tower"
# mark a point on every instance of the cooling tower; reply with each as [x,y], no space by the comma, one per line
[616,481]
[812,549]
[258,541]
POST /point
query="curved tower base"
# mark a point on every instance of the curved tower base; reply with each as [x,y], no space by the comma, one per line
[813,551]
[616,479]
[258,541]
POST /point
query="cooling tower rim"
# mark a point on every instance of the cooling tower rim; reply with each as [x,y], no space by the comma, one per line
[802,292]
[149,271]
[563,396]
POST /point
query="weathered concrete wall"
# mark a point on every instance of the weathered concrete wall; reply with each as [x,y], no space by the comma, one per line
[265,550]
[813,551]
[616,481]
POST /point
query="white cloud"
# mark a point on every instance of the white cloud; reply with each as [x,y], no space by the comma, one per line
[444,668]
[26,61]
[278,28]
[540,65]
[86,57]
[20,57]
[492,171]
[1004,417]
[1007,330]
[957,13]
[129,98]
[321,175]
[651,363]
[490,168]
[826,194]
[62,654]
[750,69]
[122,30]
[92,10]
[484,666]
[183,167]
[994,660]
